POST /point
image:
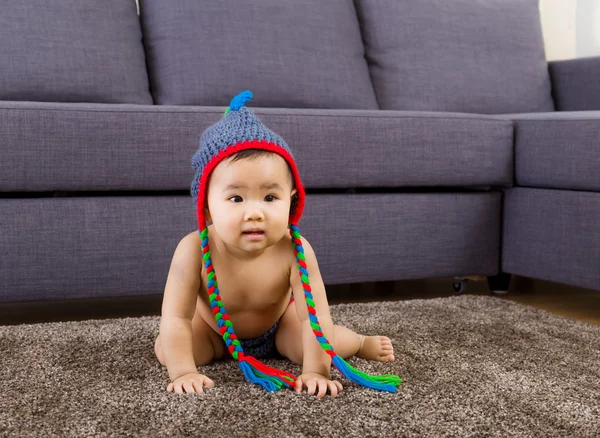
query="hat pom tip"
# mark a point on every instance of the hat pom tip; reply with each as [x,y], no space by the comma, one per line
[240,100]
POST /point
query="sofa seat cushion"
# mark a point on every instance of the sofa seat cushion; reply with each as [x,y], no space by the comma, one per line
[72,51]
[291,54]
[64,147]
[558,150]
[484,56]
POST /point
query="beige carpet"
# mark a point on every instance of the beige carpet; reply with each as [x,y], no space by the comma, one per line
[473,366]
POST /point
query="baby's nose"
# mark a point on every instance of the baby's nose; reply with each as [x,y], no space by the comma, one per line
[254,212]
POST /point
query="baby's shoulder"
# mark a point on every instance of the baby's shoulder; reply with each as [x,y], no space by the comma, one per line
[191,241]
[288,241]
[189,250]
[286,250]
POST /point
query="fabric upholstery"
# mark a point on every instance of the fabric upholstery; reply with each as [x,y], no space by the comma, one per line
[96,147]
[553,235]
[89,246]
[300,54]
[72,51]
[380,237]
[484,56]
[575,84]
[558,150]
[123,245]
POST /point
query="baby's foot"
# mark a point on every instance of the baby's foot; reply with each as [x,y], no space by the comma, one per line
[376,348]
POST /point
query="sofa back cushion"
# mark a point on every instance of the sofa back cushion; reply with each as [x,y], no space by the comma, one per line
[480,56]
[72,51]
[301,53]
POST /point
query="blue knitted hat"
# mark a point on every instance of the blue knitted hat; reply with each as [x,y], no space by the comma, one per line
[238,130]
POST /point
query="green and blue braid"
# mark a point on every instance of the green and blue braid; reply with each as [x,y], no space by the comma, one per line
[386,382]
[269,378]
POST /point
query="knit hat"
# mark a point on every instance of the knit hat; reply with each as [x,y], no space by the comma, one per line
[238,130]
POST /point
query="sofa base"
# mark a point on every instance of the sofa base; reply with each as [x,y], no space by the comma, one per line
[103,246]
[552,235]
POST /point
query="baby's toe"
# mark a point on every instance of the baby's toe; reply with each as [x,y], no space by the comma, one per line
[387,358]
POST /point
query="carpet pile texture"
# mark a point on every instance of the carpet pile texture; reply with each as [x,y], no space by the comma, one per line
[472,366]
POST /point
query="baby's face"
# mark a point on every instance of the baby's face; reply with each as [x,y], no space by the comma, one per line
[249,201]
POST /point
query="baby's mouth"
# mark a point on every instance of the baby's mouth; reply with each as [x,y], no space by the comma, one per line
[254,235]
[253,232]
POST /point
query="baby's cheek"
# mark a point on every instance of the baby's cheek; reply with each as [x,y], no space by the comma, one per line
[283,224]
[225,229]
[233,229]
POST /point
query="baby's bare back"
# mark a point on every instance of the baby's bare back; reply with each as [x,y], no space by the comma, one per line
[254,292]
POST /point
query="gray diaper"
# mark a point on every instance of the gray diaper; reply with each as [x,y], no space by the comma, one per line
[263,346]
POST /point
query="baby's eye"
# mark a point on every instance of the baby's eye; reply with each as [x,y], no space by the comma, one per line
[236,199]
[270,198]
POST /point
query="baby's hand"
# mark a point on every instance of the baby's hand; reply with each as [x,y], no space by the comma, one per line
[314,382]
[190,383]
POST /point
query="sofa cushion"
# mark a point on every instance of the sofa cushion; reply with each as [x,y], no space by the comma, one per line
[558,150]
[484,56]
[122,245]
[72,51]
[95,147]
[291,54]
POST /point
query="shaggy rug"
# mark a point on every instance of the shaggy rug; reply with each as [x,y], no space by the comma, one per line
[472,366]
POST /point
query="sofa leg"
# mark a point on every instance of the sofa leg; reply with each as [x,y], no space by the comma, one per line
[498,284]
[459,284]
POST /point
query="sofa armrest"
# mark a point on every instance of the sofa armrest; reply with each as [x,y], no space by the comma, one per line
[575,84]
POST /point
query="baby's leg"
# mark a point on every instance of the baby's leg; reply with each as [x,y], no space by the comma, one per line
[346,343]
[207,344]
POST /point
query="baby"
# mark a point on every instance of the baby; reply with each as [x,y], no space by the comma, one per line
[249,199]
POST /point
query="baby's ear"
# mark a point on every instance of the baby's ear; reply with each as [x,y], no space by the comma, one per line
[294,202]
[207,215]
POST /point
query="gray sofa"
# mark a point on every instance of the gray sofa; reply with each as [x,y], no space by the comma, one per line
[434,140]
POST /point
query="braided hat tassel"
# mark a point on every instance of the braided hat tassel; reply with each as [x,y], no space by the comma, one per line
[386,382]
[255,371]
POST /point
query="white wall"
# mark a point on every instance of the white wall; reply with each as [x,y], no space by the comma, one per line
[587,28]
[571,28]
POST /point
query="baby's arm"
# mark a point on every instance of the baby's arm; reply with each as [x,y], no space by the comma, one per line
[316,363]
[178,308]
